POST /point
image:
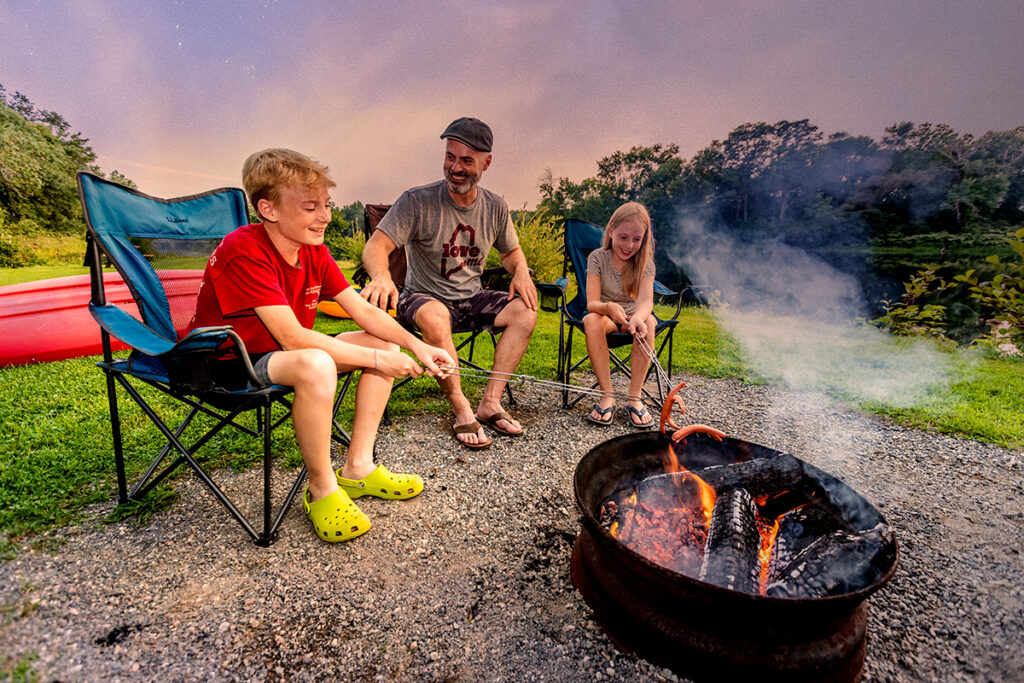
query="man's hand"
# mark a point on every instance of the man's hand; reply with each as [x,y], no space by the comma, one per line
[381,292]
[523,285]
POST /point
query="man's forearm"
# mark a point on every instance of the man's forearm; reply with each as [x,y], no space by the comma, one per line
[375,260]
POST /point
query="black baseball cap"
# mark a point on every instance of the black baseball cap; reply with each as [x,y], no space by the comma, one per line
[470,131]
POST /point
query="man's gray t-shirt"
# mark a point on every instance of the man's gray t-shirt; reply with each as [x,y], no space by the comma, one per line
[446,244]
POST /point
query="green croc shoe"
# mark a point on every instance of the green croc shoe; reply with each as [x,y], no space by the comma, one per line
[335,517]
[382,484]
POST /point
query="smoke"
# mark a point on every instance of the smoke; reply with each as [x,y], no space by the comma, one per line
[796,319]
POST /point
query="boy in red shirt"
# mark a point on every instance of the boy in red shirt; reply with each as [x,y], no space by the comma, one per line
[265,280]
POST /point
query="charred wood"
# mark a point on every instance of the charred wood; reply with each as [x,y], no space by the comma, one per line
[798,529]
[760,476]
[731,552]
[838,563]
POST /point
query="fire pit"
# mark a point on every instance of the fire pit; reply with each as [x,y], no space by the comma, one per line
[714,556]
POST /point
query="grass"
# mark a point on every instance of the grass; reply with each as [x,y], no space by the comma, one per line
[55,451]
[14,276]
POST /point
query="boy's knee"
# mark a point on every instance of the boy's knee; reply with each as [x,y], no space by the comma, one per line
[314,366]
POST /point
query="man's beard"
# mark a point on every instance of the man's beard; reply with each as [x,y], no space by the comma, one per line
[463,187]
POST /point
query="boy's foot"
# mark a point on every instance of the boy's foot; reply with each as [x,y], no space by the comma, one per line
[382,484]
[335,517]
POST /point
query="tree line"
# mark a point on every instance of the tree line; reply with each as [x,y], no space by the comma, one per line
[787,181]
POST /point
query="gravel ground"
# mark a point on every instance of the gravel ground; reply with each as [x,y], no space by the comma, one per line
[470,581]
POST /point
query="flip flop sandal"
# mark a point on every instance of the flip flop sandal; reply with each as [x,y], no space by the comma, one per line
[602,412]
[335,517]
[492,422]
[470,428]
[382,484]
[639,415]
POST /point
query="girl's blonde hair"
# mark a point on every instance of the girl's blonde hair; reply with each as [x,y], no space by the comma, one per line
[266,172]
[631,276]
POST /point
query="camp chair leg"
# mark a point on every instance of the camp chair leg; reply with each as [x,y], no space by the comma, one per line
[115,429]
[338,433]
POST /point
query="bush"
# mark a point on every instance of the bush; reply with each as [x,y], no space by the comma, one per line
[540,238]
[1000,301]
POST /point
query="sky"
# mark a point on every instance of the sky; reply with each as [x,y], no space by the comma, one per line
[176,94]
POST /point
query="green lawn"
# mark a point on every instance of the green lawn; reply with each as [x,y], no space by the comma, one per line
[55,452]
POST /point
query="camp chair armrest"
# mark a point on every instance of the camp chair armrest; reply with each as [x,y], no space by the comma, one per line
[212,338]
[664,292]
[128,329]
[552,294]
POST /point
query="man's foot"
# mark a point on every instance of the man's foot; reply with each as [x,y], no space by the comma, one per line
[471,435]
[491,414]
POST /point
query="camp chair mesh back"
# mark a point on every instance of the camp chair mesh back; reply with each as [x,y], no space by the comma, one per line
[160,248]
[580,239]
[397,265]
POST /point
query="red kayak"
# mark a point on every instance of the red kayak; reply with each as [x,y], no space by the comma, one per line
[49,320]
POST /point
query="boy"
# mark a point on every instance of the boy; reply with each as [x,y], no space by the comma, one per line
[265,280]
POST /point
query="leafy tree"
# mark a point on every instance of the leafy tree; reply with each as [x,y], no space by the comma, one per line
[39,157]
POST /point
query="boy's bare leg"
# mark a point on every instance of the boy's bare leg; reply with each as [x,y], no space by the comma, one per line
[596,328]
[372,392]
[639,362]
[518,320]
[435,325]
[313,376]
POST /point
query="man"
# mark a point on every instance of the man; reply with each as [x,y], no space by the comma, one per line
[447,228]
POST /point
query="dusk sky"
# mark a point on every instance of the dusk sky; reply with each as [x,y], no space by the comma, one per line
[175,95]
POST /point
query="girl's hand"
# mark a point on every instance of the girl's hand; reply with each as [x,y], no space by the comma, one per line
[616,313]
[637,327]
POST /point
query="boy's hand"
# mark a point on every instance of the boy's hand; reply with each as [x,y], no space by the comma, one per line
[396,364]
[434,358]
[381,292]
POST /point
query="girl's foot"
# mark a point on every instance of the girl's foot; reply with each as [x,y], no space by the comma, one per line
[638,415]
[603,412]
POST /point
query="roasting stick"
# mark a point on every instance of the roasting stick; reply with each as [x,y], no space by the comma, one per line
[519,379]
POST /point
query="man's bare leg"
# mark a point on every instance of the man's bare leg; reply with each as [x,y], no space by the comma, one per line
[435,325]
[518,321]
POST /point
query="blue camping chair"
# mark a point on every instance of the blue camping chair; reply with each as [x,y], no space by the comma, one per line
[581,238]
[157,246]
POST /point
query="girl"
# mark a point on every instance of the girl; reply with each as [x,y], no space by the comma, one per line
[620,298]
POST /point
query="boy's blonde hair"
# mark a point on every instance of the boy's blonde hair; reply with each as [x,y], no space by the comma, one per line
[266,172]
[634,270]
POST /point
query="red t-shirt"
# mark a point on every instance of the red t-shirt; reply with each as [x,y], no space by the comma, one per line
[246,271]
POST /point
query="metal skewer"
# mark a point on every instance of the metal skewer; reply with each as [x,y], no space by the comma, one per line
[522,380]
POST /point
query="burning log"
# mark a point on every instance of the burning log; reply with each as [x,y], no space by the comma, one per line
[836,564]
[759,476]
[731,553]
[797,530]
